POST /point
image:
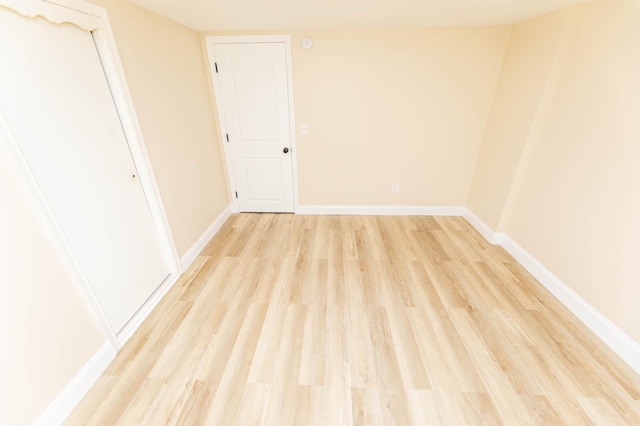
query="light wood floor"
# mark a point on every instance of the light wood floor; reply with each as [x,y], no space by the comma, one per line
[328,320]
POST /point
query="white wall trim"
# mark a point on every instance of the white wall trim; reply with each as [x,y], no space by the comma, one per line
[292,123]
[73,393]
[382,210]
[608,332]
[187,259]
[252,38]
[222,126]
[114,71]
[78,13]
[615,338]
[479,225]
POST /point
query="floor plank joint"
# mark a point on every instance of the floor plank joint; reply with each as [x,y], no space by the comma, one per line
[322,320]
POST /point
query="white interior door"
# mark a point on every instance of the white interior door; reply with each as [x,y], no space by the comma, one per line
[253,85]
[56,102]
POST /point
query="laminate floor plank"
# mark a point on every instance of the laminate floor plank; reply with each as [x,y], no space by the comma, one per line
[360,320]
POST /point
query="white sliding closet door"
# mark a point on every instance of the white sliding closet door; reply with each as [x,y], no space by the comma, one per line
[56,102]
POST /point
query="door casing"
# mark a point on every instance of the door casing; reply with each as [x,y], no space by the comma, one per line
[286,39]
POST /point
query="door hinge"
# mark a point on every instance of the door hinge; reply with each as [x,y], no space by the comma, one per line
[216,65]
[236,194]
[227,134]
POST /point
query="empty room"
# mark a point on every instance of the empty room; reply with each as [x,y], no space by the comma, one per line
[222,212]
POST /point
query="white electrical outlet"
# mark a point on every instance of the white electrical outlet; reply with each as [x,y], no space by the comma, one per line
[304,129]
[395,188]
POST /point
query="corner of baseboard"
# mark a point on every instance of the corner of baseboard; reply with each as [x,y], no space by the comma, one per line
[498,238]
[483,229]
[609,333]
[73,393]
[187,259]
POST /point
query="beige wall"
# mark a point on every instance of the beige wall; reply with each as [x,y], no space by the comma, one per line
[165,69]
[525,71]
[578,203]
[47,332]
[393,106]
[406,106]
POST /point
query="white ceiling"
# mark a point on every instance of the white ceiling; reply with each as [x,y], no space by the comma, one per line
[247,15]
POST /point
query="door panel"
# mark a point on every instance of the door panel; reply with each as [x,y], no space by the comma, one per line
[256,98]
[58,106]
[255,102]
[263,175]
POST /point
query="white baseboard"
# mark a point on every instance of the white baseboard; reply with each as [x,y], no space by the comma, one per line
[615,338]
[127,331]
[484,229]
[67,400]
[141,314]
[382,210]
[187,259]
[609,333]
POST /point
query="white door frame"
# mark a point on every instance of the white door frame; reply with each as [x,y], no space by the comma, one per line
[286,39]
[94,19]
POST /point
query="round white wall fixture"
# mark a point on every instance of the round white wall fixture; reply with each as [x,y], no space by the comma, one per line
[307,43]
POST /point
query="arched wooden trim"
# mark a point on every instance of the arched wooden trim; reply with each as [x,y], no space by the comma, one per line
[55,13]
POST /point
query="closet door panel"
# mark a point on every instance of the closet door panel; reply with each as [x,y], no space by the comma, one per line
[56,102]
